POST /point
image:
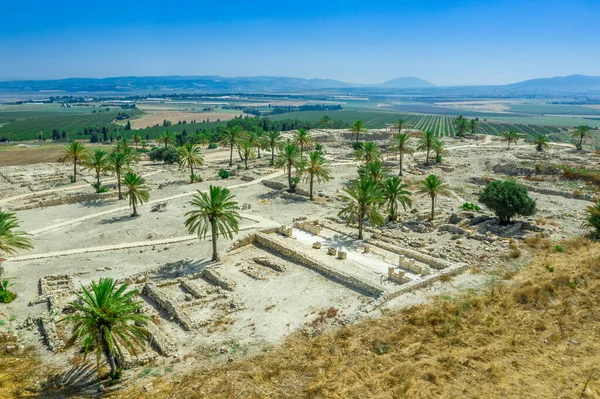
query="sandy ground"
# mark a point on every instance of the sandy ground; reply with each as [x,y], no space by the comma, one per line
[94,238]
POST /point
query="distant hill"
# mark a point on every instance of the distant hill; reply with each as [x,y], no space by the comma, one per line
[406,83]
[562,84]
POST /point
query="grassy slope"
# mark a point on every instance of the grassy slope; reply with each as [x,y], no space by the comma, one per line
[532,337]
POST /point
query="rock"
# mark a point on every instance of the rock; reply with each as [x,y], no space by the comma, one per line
[454,219]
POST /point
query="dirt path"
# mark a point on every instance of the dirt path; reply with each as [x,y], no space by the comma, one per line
[261,223]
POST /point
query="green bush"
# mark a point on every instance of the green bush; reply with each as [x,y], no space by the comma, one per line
[6,296]
[357,146]
[195,179]
[468,206]
[212,146]
[559,248]
[224,174]
[168,155]
[319,147]
[592,218]
[507,199]
[99,188]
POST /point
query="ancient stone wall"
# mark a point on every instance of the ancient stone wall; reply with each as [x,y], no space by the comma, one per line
[162,300]
[49,330]
[214,277]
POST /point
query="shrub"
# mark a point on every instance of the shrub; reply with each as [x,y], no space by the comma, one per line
[559,248]
[224,174]
[6,296]
[195,179]
[319,147]
[468,206]
[99,188]
[212,146]
[507,199]
[168,155]
[592,218]
[357,146]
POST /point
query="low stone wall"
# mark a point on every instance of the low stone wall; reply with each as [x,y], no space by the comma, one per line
[428,260]
[49,330]
[311,227]
[214,277]
[165,346]
[278,247]
[270,264]
[162,300]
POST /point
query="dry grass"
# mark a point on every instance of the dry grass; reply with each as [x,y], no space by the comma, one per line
[536,337]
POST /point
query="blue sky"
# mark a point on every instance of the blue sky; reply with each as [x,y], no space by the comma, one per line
[446,42]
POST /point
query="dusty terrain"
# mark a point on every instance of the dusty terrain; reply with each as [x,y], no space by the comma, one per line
[156,114]
[269,284]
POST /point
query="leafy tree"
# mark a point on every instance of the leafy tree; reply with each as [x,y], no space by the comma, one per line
[401,145]
[473,125]
[316,167]
[167,137]
[375,171]
[425,143]
[230,138]
[74,152]
[460,124]
[363,200]
[507,199]
[98,162]
[136,190]
[119,162]
[12,239]
[592,218]
[168,155]
[438,149]
[395,192]
[303,138]
[108,320]
[358,127]
[272,140]
[433,186]
[216,210]
[289,157]
[541,142]
[582,132]
[510,136]
[6,296]
[368,152]
[190,156]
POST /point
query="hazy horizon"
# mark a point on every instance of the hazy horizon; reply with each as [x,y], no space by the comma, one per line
[448,43]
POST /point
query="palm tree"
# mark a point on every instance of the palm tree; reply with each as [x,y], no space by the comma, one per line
[400,124]
[255,137]
[303,138]
[425,143]
[119,162]
[289,157]
[272,140]
[136,190]
[190,156]
[166,138]
[592,218]
[510,136]
[460,124]
[316,166]
[247,149]
[368,152]
[438,148]
[137,139]
[433,186]
[12,239]
[473,125]
[375,171]
[230,137]
[541,142]
[98,162]
[108,320]
[400,144]
[358,127]
[73,153]
[395,192]
[581,132]
[326,121]
[363,200]
[216,210]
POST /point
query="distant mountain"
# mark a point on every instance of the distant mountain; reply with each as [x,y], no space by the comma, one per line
[406,83]
[558,84]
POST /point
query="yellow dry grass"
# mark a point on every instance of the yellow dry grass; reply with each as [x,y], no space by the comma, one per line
[535,336]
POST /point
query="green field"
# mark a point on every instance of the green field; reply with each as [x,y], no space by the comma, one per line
[440,124]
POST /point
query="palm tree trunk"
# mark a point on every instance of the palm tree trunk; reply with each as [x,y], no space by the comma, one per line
[134,209]
[580,142]
[357,137]
[191,173]
[97,181]
[360,226]
[290,176]
[213,232]
[301,150]
[119,183]
[110,359]
[246,162]
[401,156]
[508,148]
[427,161]
[231,155]
[311,186]
[432,207]
[272,154]
[258,150]
[74,170]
